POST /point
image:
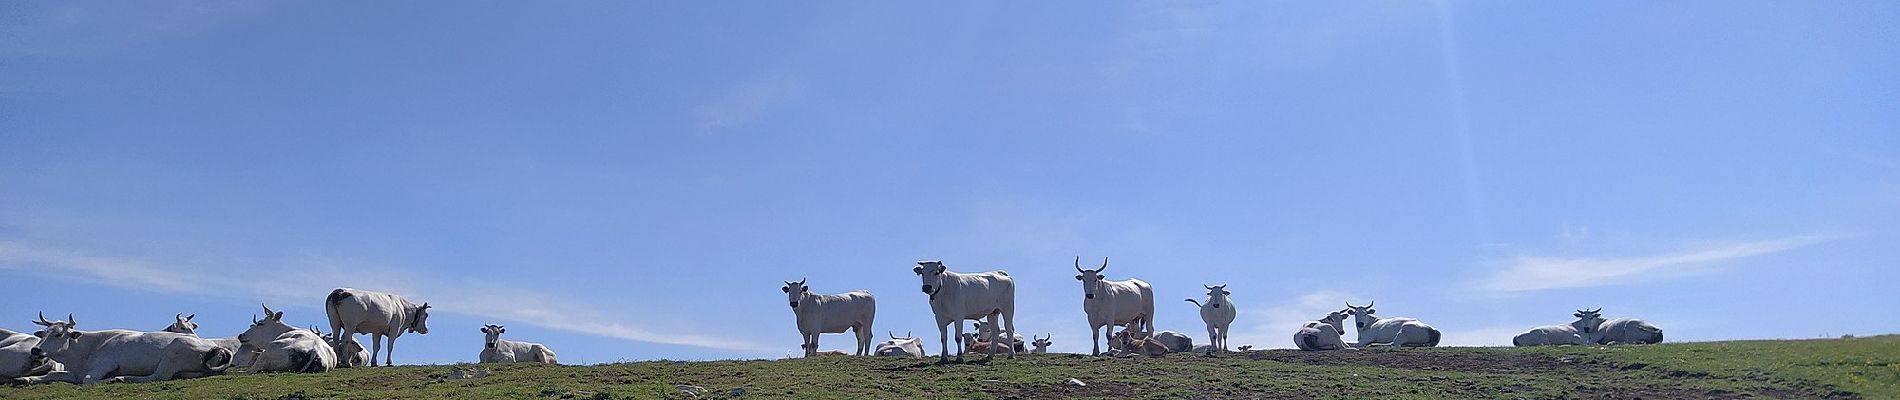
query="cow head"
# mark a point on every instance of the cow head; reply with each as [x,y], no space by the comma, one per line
[1217,295]
[1042,343]
[1091,279]
[182,324]
[1362,316]
[263,331]
[1337,319]
[795,292]
[1588,320]
[491,333]
[932,274]
[56,338]
[421,322]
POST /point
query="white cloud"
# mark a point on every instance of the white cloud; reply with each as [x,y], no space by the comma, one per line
[1273,328]
[294,285]
[747,102]
[1529,273]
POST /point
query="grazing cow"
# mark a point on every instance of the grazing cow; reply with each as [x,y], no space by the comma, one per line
[955,297]
[1042,343]
[906,346]
[1580,332]
[378,314]
[1016,340]
[1628,331]
[1130,302]
[496,350]
[1323,334]
[117,354]
[831,313]
[1395,331]
[182,323]
[17,359]
[1218,313]
[1129,343]
[299,350]
[349,352]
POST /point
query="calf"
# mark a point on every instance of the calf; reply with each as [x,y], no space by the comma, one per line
[117,354]
[818,314]
[1134,342]
[1396,331]
[496,350]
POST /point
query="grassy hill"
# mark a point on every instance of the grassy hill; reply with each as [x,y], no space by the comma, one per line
[1802,369]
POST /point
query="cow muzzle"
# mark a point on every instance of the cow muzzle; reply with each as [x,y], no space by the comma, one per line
[36,353]
[794,304]
[927,289]
[1088,295]
[1216,305]
[491,345]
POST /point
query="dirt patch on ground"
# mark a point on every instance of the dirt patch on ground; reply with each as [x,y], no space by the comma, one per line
[1057,391]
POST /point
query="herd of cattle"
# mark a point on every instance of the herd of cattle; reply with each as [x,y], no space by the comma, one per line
[60,352]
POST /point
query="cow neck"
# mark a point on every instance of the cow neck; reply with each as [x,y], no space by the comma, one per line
[411,325]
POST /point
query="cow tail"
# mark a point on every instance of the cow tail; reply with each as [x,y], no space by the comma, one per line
[1518,341]
[219,359]
[329,308]
[304,360]
[1434,338]
[337,296]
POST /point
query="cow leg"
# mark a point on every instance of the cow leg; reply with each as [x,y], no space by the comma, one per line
[965,346]
[864,338]
[55,376]
[1009,332]
[389,359]
[991,336]
[943,340]
[375,347]
[1096,338]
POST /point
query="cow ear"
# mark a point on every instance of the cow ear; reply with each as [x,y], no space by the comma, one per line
[786,289]
[501,330]
[1078,277]
[40,334]
[804,288]
[74,334]
[919,270]
[279,316]
[1226,292]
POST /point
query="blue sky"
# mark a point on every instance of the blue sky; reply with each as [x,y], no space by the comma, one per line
[629,181]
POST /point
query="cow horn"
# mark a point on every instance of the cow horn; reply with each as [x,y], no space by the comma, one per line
[1369,305]
[1104,265]
[43,321]
[1078,264]
[267,311]
[801,280]
[70,321]
[189,317]
[253,319]
[1598,310]
[893,334]
[178,316]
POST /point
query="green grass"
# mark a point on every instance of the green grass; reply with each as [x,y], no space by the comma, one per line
[1846,368]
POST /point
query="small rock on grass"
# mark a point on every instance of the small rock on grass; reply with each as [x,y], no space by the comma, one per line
[1076,382]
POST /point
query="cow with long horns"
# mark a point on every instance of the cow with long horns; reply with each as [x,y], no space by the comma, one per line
[831,313]
[1218,313]
[1109,303]
[118,354]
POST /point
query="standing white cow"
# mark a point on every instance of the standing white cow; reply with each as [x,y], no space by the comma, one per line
[1323,334]
[1627,331]
[182,323]
[1218,313]
[1108,303]
[497,350]
[906,346]
[299,350]
[1395,331]
[378,314]
[818,314]
[1580,332]
[17,359]
[955,297]
[95,356]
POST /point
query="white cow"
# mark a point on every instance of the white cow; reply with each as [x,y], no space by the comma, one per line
[955,297]
[497,350]
[831,313]
[1107,303]
[1016,340]
[1580,332]
[182,323]
[1042,343]
[349,352]
[906,346]
[1323,334]
[1628,331]
[117,354]
[378,314]
[17,359]
[299,350]
[1218,313]
[1395,331]
[263,331]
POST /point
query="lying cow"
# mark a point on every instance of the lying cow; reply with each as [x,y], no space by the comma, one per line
[818,314]
[1580,332]
[497,350]
[349,352]
[906,346]
[299,350]
[131,356]
[1323,334]
[1627,331]
[986,330]
[17,359]
[1042,343]
[1128,343]
[1395,331]
[381,315]
[182,323]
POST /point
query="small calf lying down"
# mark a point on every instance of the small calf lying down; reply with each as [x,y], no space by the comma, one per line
[1129,344]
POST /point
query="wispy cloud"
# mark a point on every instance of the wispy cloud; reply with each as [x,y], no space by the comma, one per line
[1529,273]
[747,102]
[1273,328]
[296,285]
